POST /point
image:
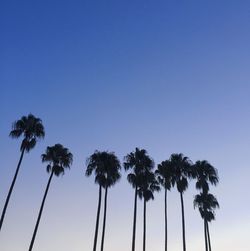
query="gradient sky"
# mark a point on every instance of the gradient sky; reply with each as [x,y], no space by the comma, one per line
[167,76]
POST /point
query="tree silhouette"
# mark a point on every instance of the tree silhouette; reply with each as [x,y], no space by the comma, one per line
[206,204]
[148,186]
[106,167]
[182,172]
[59,158]
[164,175]
[205,175]
[112,175]
[95,164]
[137,161]
[31,129]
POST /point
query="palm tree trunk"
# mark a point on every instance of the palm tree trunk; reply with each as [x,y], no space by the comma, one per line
[205,234]
[183,223]
[144,226]
[166,222]
[208,236]
[104,218]
[11,188]
[40,212]
[134,221]
[97,217]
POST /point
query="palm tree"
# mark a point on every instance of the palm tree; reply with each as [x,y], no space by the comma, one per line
[137,162]
[164,174]
[94,164]
[59,158]
[31,129]
[205,174]
[106,167]
[112,174]
[206,204]
[148,186]
[181,173]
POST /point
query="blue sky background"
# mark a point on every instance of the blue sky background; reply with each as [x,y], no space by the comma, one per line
[167,76]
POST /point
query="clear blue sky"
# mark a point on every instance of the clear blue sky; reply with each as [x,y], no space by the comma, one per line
[168,76]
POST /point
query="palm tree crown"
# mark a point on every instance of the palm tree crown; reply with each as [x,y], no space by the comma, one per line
[181,166]
[138,161]
[58,157]
[106,167]
[206,203]
[164,174]
[205,173]
[31,128]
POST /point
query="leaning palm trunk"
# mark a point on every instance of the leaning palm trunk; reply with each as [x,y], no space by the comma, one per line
[40,212]
[166,222]
[104,218]
[134,220]
[205,234]
[208,237]
[183,223]
[11,189]
[97,217]
[144,226]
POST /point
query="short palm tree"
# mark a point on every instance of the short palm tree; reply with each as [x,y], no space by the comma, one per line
[148,186]
[137,162]
[206,204]
[59,158]
[31,129]
[105,166]
[181,173]
[164,175]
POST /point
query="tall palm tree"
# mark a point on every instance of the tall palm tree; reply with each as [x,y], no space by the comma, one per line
[206,204]
[137,162]
[59,158]
[95,164]
[31,129]
[205,174]
[164,175]
[182,172]
[146,191]
[112,167]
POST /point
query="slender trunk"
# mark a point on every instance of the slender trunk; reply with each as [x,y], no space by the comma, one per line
[40,212]
[205,234]
[104,218]
[144,226]
[11,188]
[183,223]
[97,217]
[208,237]
[134,220]
[166,222]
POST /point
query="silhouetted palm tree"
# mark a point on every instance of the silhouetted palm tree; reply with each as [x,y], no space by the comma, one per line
[95,164]
[164,174]
[146,191]
[31,129]
[58,158]
[182,172]
[206,204]
[205,174]
[137,161]
[105,166]
[112,174]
